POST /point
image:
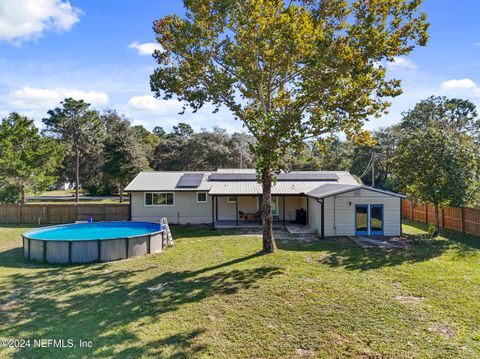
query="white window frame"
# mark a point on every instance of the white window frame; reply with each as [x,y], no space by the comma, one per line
[206,197]
[234,201]
[158,205]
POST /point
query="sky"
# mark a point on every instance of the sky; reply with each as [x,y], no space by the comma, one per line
[100,51]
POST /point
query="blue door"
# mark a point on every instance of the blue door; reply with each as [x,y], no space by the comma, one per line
[361,219]
[376,219]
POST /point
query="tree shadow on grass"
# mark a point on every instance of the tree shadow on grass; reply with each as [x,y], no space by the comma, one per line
[338,252]
[111,307]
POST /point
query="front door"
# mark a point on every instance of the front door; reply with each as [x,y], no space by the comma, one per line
[361,219]
[369,219]
[376,220]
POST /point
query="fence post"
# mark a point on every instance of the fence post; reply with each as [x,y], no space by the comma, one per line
[20,212]
[443,217]
[426,213]
[462,219]
[411,209]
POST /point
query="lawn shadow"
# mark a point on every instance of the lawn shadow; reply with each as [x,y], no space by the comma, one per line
[342,252]
[110,306]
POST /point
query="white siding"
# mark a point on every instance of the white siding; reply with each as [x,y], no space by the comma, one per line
[314,215]
[340,212]
[186,209]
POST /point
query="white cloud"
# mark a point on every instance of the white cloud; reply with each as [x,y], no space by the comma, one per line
[402,63]
[152,105]
[463,87]
[464,84]
[28,98]
[23,20]
[146,48]
[476,44]
[150,112]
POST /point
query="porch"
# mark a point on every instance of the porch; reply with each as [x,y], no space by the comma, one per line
[244,211]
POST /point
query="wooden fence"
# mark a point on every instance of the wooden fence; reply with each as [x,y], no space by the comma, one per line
[466,220]
[62,213]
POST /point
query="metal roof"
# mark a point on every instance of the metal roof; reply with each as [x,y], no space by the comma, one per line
[333,189]
[168,181]
[163,181]
[254,188]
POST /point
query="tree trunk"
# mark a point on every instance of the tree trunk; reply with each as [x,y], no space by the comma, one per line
[437,221]
[23,199]
[77,173]
[268,240]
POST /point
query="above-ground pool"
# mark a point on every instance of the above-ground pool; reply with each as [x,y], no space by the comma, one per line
[93,242]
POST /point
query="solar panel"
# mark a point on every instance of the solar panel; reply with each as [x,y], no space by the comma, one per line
[314,176]
[292,176]
[190,180]
[233,177]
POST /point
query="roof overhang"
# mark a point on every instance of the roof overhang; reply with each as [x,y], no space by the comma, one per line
[349,188]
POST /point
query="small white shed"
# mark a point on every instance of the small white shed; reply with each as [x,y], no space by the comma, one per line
[352,210]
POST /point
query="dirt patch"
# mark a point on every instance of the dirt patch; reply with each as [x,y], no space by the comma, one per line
[443,329]
[409,299]
[305,353]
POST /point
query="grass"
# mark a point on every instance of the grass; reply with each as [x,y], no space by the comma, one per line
[221,299]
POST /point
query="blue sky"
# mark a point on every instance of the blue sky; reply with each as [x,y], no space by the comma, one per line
[100,51]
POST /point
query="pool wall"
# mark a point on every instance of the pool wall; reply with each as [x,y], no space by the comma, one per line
[89,251]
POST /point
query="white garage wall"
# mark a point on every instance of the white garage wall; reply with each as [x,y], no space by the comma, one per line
[340,212]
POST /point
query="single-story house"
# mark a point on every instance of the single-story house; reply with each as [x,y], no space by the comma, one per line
[331,203]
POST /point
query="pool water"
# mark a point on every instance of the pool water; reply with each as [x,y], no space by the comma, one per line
[94,231]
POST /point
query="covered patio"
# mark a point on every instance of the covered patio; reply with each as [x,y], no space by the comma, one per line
[244,210]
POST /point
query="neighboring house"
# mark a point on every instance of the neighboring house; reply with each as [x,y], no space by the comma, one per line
[333,202]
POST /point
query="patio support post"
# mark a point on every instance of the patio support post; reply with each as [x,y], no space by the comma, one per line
[236,210]
[216,208]
[283,209]
[213,211]
[322,219]
[306,216]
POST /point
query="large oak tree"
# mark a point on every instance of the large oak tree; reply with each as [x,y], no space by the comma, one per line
[288,71]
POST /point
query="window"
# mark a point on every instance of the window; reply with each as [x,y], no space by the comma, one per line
[274,206]
[232,199]
[201,197]
[160,199]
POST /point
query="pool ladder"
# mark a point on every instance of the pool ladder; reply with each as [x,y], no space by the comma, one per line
[164,223]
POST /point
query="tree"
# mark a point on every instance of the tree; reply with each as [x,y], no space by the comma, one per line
[159,132]
[435,165]
[457,114]
[148,141]
[183,130]
[28,161]
[80,129]
[372,163]
[288,72]
[124,155]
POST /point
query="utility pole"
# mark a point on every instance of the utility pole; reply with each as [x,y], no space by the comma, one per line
[373,167]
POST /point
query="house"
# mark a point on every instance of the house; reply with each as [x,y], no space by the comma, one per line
[331,203]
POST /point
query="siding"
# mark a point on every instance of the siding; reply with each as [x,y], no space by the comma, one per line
[186,209]
[314,215]
[340,214]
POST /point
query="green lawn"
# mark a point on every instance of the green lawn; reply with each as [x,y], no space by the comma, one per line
[221,299]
